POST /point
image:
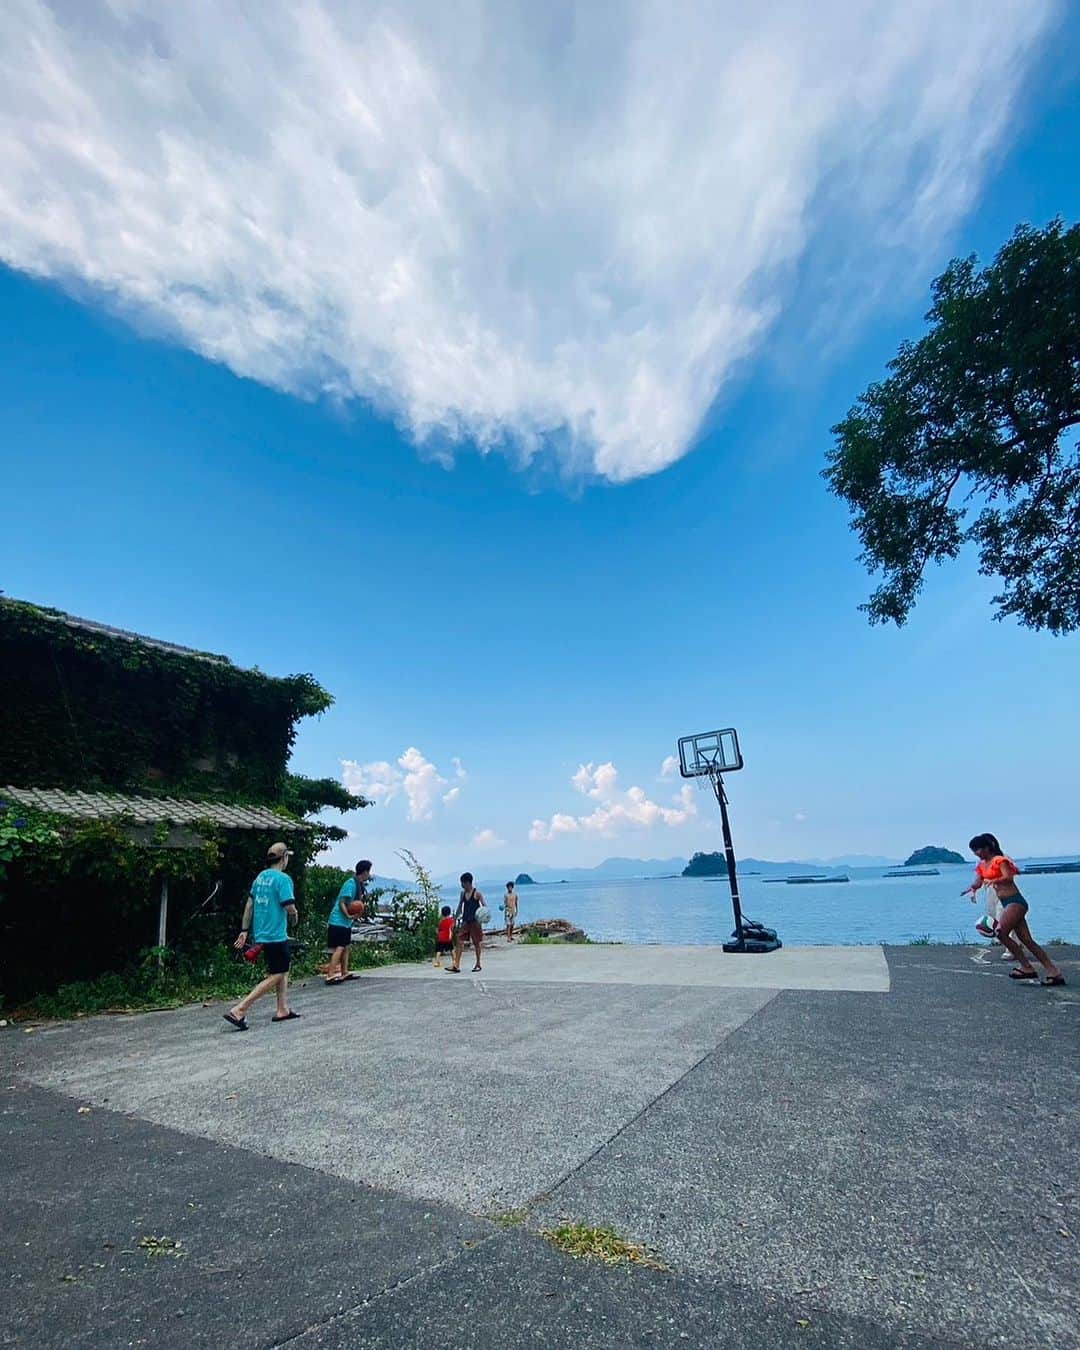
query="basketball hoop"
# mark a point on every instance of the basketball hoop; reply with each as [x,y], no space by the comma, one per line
[707,756]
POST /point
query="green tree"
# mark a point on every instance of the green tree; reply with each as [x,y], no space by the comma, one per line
[968,440]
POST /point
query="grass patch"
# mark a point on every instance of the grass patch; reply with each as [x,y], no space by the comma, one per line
[535,940]
[217,973]
[510,1218]
[599,1244]
[923,940]
[161,1246]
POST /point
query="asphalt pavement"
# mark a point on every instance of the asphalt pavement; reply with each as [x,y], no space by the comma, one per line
[890,1162]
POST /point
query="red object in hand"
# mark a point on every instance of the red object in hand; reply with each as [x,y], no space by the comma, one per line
[252,952]
[356,909]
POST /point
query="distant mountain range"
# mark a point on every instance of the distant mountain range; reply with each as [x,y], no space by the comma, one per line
[611,868]
[621,869]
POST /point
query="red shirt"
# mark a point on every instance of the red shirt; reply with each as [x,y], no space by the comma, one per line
[446,928]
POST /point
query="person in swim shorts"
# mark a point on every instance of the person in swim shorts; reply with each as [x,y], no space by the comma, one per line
[510,909]
[469,927]
[994,869]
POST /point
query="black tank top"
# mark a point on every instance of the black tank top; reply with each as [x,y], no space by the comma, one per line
[469,907]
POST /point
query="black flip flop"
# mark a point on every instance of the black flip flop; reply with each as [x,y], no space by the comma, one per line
[1052,981]
[290,1016]
[332,982]
[1023,974]
[452,970]
[350,976]
[240,1023]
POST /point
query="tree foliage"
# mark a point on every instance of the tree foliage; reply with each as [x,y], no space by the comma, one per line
[972,438]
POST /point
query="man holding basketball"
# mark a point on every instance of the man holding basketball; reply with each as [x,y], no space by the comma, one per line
[349,905]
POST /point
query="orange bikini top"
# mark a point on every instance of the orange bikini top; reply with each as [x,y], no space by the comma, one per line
[991,871]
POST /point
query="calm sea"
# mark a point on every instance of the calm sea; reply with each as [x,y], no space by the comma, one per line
[869,908]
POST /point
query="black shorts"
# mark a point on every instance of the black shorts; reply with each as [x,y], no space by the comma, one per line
[278,957]
[337,935]
[1016,899]
[444,947]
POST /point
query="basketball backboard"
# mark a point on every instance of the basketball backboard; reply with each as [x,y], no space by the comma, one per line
[709,753]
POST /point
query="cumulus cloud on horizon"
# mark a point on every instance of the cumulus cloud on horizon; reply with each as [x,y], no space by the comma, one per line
[616,811]
[528,227]
[412,775]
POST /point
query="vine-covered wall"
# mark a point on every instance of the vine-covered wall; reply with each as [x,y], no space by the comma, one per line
[90,709]
[87,709]
[80,898]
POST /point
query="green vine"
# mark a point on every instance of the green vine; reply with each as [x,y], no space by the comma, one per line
[80,708]
[21,830]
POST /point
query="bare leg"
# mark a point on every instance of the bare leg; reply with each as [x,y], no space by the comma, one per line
[282,995]
[263,987]
[333,969]
[478,942]
[459,946]
[1011,917]
[1023,933]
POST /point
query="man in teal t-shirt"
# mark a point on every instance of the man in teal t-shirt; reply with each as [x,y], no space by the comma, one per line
[267,914]
[339,925]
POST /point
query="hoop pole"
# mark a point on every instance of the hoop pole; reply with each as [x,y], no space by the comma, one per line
[729,853]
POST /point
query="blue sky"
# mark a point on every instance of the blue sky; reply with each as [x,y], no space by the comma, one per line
[599,578]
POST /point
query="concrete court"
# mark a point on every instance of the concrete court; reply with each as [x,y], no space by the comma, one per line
[859,969]
[898,1181]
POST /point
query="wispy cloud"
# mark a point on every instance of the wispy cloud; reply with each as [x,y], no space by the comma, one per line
[617,811]
[529,226]
[413,775]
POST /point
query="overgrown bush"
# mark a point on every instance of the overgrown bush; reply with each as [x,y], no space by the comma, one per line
[204,966]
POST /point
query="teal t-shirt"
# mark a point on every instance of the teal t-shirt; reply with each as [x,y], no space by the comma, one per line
[271,891]
[349,891]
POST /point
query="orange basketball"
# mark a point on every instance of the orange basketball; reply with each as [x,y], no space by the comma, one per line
[356,908]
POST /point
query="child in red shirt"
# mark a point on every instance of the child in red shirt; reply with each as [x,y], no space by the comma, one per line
[444,942]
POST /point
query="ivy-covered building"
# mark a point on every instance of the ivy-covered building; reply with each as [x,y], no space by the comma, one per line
[134,762]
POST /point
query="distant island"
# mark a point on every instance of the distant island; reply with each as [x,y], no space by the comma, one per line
[523,879]
[706,865]
[930,854]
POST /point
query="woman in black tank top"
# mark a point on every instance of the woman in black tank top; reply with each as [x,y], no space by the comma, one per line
[468,926]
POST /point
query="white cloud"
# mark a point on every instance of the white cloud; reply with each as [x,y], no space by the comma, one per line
[379,781]
[596,781]
[487,839]
[800,816]
[618,811]
[527,225]
[414,775]
[670,767]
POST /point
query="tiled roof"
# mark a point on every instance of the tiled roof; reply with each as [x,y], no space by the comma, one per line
[149,810]
[107,630]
